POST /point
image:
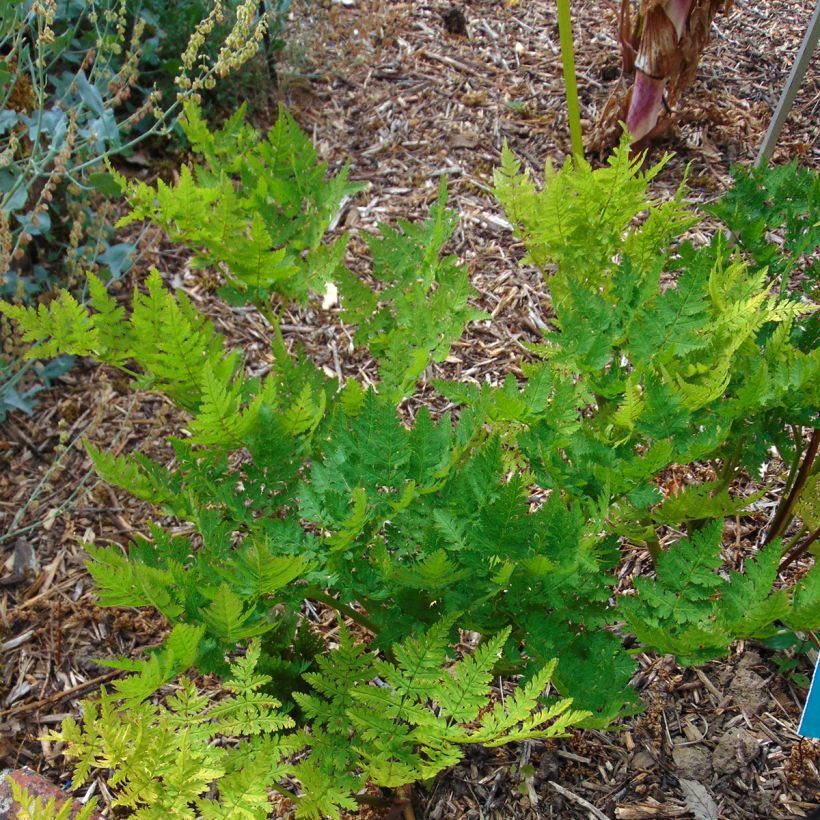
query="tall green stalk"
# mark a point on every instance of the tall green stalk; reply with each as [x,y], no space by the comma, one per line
[570,84]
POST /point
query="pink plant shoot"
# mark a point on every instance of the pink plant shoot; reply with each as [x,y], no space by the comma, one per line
[663,29]
[661,48]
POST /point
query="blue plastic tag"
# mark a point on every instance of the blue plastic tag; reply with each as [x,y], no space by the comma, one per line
[810,721]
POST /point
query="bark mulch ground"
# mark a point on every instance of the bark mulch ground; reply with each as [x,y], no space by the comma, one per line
[406,92]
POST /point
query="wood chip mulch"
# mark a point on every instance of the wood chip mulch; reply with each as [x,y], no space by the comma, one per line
[406,92]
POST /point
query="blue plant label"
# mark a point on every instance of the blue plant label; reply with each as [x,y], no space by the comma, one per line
[810,721]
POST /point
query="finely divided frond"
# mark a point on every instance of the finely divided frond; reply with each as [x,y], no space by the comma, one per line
[463,693]
[64,326]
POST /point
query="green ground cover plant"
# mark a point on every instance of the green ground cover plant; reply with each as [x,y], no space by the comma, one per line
[421,533]
[712,369]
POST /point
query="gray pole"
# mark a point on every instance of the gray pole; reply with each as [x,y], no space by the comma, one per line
[784,106]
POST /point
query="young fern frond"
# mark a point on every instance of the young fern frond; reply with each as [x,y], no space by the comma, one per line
[424,304]
[165,337]
[418,661]
[62,327]
[259,207]
[462,694]
[694,613]
[658,369]
[520,717]
[173,343]
[401,734]
[31,807]
[575,205]
[220,419]
[162,759]
[805,602]
[176,656]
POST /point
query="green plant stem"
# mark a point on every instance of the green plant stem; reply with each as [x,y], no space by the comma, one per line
[17,375]
[653,546]
[570,83]
[323,597]
[651,543]
[275,320]
[794,540]
[370,800]
[727,473]
[786,507]
[282,791]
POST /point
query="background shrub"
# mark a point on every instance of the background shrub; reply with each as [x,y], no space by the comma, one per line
[85,81]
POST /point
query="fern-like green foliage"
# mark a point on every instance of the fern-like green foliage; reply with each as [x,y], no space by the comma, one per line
[27,806]
[706,367]
[411,719]
[431,519]
[298,488]
[61,326]
[339,495]
[165,342]
[258,207]
[767,199]
[691,611]
[579,217]
[767,202]
[423,306]
[414,723]
[163,759]
[177,655]
[220,597]
[805,608]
